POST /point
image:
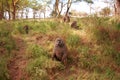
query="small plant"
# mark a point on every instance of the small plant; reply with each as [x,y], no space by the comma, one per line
[83,51]
[35,51]
[109,73]
[7,44]
[73,40]
[3,68]
[39,62]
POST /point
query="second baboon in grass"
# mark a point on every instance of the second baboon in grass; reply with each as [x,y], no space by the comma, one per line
[66,19]
[26,28]
[74,25]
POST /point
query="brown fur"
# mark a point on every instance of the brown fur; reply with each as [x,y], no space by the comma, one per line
[26,28]
[74,25]
[66,19]
[60,51]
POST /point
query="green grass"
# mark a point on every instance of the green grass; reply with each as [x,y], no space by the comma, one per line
[39,62]
[7,44]
[73,40]
[99,57]
[3,67]
[94,57]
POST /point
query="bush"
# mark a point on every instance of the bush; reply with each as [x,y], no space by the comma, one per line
[44,26]
[39,62]
[3,68]
[6,39]
[73,40]
[7,44]
[35,51]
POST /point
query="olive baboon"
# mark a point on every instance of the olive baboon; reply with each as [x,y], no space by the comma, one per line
[74,25]
[60,51]
[2,43]
[66,19]
[26,28]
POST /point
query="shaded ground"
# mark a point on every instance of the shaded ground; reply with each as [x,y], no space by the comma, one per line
[18,62]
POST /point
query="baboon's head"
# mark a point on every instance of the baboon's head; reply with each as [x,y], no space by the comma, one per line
[59,42]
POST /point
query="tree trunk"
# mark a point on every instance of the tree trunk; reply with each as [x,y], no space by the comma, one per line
[14,9]
[59,13]
[66,17]
[68,7]
[117,5]
[56,9]
[27,11]
[9,14]
[1,15]
[34,14]
[115,10]
[21,13]
[90,7]
[1,11]
[8,5]
[44,15]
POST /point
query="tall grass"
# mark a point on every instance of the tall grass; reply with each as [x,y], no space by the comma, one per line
[39,62]
[73,40]
[7,44]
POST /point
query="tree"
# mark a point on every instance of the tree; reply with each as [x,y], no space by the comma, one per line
[117,7]
[60,4]
[8,9]
[24,7]
[58,7]
[14,7]
[105,11]
[90,2]
[1,9]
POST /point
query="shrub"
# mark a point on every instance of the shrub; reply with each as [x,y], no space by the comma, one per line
[35,51]
[39,62]
[73,40]
[7,44]
[3,68]
[6,37]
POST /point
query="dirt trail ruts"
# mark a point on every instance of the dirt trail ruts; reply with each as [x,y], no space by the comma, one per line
[18,62]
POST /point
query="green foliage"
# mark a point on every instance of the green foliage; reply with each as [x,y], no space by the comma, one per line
[3,68]
[20,29]
[109,73]
[6,46]
[118,25]
[84,50]
[117,58]
[105,11]
[73,40]
[35,51]
[5,37]
[97,57]
[39,62]
[44,26]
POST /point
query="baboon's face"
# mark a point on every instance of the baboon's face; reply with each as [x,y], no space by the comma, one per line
[75,22]
[59,42]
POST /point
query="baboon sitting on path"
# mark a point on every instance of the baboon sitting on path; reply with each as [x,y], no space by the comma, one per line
[60,51]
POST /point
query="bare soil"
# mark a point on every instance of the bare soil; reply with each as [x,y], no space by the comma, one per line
[18,62]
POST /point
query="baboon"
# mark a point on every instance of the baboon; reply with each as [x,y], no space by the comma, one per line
[74,25]
[60,51]
[26,28]
[2,43]
[66,19]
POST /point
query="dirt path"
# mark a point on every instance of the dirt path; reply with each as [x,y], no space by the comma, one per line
[18,62]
